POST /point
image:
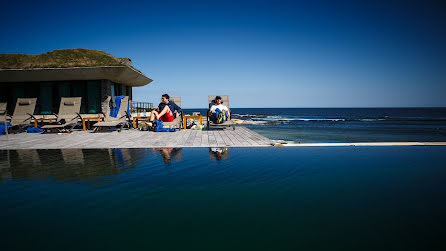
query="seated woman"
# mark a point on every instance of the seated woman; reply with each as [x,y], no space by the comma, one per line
[166,111]
[219,112]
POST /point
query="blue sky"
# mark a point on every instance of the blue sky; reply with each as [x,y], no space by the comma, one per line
[261,53]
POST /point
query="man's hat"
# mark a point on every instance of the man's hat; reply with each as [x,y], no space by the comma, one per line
[218,97]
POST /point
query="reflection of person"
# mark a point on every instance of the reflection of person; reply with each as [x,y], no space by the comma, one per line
[169,153]
[166,154]
[218,108]
[165,112]
[219,152]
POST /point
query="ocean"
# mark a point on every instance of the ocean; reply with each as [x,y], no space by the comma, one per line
[293,198]
[308,125]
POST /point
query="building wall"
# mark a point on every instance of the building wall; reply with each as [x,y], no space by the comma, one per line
[48,94]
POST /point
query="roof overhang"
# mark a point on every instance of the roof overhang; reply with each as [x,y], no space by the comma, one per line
[118,74]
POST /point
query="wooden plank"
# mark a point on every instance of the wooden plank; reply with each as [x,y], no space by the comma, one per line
[241,137]
[219,138]
[255,136]
[212,140]
[197,140]
[204,139]
[249,137]
[225,138]
[190,139]
[133,139]
[157,139]
[178,137]
[261,137]
[231,135]
[171,139]
[182,141]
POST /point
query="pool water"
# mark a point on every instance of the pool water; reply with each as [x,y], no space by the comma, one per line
[324,198]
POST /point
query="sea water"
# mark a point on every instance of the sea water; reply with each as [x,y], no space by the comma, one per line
[324,198]
[346,124]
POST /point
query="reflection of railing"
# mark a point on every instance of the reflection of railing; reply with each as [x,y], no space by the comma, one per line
[136,106]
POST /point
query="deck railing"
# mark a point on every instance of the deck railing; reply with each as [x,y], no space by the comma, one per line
[139,107]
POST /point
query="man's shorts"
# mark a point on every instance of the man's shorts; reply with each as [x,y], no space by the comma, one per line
[168,117]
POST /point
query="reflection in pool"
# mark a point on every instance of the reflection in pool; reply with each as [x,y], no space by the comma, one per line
[70,165]
[224,199]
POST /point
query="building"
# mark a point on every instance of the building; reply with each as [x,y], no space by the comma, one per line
[90,74]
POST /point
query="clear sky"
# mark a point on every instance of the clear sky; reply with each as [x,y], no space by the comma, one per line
[261,53]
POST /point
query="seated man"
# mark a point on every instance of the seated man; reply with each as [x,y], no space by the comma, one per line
[165,112]
[219,113]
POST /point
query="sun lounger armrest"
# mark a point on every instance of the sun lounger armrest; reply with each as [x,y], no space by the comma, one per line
[208,114]
[79,115]
[128,116]
[31,116]
[125,115]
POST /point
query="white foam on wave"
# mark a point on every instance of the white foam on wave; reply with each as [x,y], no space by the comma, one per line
[368,120]
[280,118]
[292,118]
[282,141]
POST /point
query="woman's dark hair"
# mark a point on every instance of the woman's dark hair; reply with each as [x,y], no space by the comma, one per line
[166,96]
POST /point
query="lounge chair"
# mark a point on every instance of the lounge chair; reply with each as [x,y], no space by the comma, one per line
[3,116]
[178,121]
[23,113]
[228,123]
[3,106]
[121,120]
[68,116]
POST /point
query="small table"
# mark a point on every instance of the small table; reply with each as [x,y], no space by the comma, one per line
[98,119]
[136,118]
[42,120]
[191,117]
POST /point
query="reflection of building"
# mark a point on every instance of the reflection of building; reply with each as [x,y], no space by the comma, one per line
[66,164]
[5,172]
[90,74]
[218,153]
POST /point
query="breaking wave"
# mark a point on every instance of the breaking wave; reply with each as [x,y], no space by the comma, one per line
[273,118]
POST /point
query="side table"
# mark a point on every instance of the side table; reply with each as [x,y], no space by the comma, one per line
[98,119]
[136,118]
[191,117]
[42,120]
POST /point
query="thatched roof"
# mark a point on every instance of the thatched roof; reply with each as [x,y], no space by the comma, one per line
[59,59]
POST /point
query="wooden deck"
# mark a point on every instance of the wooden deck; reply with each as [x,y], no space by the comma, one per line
[240,137]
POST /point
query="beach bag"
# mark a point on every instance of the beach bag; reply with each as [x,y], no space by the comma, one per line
[219,116]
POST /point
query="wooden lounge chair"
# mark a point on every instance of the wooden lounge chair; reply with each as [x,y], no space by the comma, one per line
[178,121]
[3,106]
[225,99]
[68,116]
[120,121]
[23,113]
[3,116]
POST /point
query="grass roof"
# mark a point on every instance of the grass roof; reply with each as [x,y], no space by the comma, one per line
[59,59]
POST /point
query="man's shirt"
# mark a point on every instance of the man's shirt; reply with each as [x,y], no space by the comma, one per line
[220,106]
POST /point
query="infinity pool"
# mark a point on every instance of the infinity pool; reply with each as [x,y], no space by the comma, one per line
[326,198]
